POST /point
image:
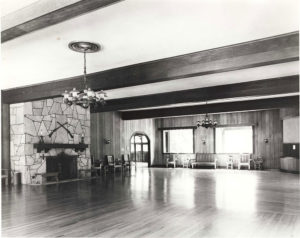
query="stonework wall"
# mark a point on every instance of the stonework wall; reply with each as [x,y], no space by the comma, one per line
[30,120]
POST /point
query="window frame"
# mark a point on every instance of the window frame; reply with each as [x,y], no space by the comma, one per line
[240,125]
[176,128]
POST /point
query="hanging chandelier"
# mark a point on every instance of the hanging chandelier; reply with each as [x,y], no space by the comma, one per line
[87,96]
[207,123]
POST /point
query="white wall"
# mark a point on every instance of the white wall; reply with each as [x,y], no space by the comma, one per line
[291,130]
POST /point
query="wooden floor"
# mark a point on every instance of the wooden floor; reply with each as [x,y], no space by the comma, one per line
[158,202]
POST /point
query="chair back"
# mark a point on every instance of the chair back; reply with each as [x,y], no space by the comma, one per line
[125,158]
[109,160]
[171,158]
[97,163]
[245,158]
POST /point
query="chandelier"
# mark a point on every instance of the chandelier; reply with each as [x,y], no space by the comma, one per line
[87,96]
[207,123]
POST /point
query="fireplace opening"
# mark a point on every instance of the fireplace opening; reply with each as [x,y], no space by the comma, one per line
[65,165]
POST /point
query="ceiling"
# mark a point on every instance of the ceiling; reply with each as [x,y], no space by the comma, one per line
[135,31]
[10,6]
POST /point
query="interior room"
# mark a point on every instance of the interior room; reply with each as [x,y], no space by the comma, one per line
[130,118]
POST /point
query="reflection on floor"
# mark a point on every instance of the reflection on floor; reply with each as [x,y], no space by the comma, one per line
[159,202]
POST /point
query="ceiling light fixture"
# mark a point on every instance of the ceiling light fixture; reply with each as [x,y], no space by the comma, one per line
[207,123]
[86,97]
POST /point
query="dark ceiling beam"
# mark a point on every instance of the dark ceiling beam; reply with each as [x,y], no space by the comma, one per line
[50,18]
[282,85]
[261,104]
[263,52]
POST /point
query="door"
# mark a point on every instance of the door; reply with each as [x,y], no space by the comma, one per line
[140,148]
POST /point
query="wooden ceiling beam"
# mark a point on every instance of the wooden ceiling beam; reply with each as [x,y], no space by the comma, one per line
[46,13]
[268,51]
[282,85]
[249,105]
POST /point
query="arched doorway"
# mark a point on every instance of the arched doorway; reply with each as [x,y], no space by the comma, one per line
[140,149]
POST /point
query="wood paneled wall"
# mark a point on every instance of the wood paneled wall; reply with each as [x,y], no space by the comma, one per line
[108,125]
[105,126]
[128,128]
[5,140]
[267,124]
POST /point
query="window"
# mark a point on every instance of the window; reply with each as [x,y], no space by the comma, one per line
[238,139]
[178,141]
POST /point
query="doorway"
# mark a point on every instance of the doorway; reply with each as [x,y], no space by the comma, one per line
[140,149]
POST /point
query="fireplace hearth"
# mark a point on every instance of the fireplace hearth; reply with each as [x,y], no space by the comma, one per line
[65,165]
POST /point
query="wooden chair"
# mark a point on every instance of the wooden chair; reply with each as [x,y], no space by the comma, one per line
[171,160]
[258,163]
[126,161]
[96,167]
[229,162]
[185,162]
[111,163]
[244,160]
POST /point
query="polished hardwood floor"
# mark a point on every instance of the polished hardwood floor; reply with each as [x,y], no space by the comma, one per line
[158,202]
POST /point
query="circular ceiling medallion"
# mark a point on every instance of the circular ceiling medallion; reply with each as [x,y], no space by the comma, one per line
[84,46]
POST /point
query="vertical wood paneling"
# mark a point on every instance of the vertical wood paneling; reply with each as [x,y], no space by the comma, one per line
[5,138]
[128,128]
[105,126]
[267,124]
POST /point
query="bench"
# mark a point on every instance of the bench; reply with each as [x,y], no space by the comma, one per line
[206,159]
[48,175]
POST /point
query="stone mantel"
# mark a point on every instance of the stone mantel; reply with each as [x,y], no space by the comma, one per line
[46,147]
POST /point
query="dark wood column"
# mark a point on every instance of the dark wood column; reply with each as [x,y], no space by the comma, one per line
[5,139]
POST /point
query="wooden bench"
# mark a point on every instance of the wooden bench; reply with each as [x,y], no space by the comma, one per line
[204,159]
[48,175]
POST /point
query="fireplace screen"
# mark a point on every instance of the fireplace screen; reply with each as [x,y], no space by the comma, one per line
[65,165]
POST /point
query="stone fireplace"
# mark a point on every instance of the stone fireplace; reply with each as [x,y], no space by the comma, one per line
[31,120]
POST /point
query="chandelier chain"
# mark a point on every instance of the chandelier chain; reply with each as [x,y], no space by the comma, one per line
[84,70]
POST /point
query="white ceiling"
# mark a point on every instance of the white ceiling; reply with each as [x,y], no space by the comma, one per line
[134,31]
[10,6]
